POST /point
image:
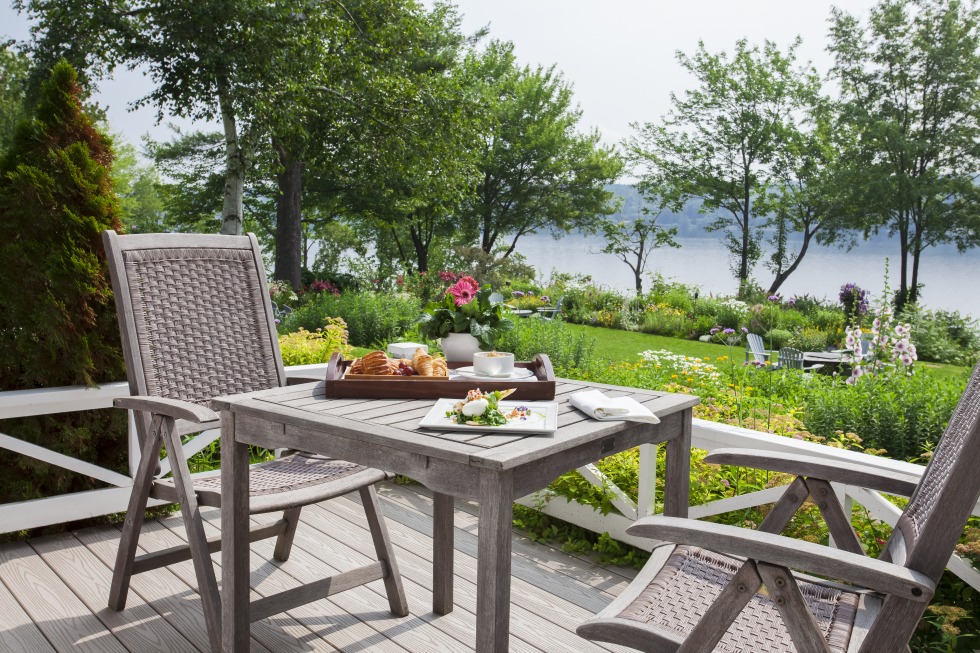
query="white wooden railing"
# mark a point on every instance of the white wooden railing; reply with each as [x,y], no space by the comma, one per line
[706,435]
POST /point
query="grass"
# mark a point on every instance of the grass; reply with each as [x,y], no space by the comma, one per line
[618,345]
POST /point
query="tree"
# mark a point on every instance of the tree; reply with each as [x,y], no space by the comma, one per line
[718,142]
[537,172]
[911,79]
[633,242]
[807,194]
[57,320]
[135,184]
[211,59]
[14,66]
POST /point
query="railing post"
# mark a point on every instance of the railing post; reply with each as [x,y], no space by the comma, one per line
[646,500]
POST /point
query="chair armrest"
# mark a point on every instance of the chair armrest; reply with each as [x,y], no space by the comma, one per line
[871,573]
[174,408]
[826,470]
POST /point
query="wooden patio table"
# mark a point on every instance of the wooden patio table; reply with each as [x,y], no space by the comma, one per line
[491,468]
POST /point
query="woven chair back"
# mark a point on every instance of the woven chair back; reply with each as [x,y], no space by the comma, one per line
[195,315]
[937,512]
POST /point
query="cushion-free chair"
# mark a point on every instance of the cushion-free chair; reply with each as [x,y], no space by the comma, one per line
[197,323]
[755,349]
[704,592]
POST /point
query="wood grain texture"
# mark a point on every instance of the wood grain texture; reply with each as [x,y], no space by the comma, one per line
[493,562]
[60,615]
[443,548]
[89,579]
[18,632]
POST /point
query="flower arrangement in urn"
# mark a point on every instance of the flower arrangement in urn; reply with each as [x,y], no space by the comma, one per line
[465,308]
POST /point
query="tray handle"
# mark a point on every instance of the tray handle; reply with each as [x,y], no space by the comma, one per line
[335,367]
[541,365]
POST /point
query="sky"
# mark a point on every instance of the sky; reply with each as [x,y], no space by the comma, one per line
[619,55]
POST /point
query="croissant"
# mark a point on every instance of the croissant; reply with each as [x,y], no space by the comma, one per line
[416,357]
[376,363]
[440,367]
[423,364]
[356,367]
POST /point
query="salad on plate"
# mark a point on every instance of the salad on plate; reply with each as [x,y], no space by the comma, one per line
[483,409]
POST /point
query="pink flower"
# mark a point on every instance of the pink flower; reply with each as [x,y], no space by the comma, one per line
[463,291]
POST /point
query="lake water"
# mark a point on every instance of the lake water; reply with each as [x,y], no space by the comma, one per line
[950,278]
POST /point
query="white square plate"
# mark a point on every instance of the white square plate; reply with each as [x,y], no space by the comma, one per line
[543,419]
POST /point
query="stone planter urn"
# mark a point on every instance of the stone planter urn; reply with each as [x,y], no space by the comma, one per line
[459,347]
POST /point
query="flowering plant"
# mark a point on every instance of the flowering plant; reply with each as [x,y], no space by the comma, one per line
[889,347]
[281,292]
[465,307]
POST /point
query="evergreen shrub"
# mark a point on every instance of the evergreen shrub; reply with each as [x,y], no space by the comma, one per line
[57,319]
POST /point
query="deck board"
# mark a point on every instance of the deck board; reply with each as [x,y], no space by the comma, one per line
[53,589]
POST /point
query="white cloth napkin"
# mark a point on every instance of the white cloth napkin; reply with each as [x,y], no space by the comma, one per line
[607,409]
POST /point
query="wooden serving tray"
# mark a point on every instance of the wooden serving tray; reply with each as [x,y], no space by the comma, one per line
[435,387]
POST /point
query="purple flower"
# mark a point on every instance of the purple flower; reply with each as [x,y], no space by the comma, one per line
[745,330]
[774,298]
[545,299]
[714,330]
[517,293]
[728,332]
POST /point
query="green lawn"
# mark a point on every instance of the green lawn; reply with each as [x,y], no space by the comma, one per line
[616,344]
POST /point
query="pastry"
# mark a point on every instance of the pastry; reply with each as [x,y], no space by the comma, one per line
[356,367]
[440,367]
[376,363]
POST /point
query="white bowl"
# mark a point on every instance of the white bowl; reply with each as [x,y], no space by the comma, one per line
[493,363]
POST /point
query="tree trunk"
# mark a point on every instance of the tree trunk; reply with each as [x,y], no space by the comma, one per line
[421,249]
[231,210]
[901,299]
[784,274]
[289,226]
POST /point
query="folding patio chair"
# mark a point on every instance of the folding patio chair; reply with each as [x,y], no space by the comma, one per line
[197,323]
[704,592]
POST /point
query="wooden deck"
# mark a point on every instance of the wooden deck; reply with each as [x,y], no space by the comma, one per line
[53,589]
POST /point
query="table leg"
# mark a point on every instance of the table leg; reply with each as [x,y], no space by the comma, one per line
[677,475]
[235,622]
[493,562]
[443,548]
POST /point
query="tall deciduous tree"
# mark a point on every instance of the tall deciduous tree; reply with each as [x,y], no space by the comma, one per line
[210,59]
[806,201]
[912,80]
[719,141]
[537,171]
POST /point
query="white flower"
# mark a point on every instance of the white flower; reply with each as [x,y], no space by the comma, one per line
[849,341]
[902,346]
[906,359]
[877,323]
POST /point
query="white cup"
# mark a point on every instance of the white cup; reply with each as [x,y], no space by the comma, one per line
[493,363]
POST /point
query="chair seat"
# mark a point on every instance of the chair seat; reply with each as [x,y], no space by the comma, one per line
[294,480]
[668,607]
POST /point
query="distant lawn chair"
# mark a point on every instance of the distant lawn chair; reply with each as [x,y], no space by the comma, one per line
[755,349]
[792,359]
[551,313]
[496,298]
